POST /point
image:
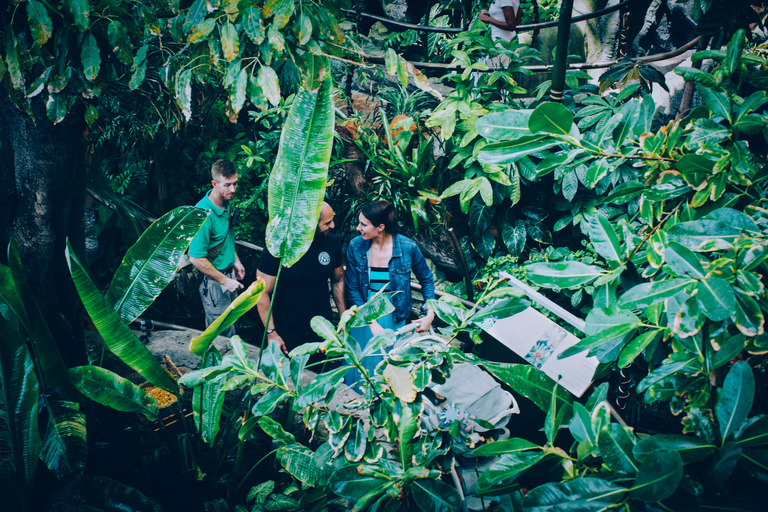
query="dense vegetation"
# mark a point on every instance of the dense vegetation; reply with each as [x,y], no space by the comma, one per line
[654,229]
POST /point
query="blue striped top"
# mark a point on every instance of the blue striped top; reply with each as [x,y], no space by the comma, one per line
[379,278]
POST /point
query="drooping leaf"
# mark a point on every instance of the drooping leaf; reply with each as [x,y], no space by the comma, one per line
[240,306]
[658,478]
[508,125]
[645,294]
[108,388]
[735,399]
[90,56]
[616,445]
[530,382]
[150,264]
[511,151]
[551,118]
[64,444]
[19,435]
[120,340]
[297,182]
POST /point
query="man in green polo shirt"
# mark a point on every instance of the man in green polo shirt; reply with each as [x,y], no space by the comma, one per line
[212,250]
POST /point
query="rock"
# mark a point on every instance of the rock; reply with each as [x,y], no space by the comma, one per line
[396,10]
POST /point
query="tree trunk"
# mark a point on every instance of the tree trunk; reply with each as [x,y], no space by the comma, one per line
[47,169]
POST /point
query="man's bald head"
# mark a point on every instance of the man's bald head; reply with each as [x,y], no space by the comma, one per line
[325,223]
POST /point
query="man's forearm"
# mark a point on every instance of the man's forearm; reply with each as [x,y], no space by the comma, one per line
[263,307]
[207,268]
[337,290]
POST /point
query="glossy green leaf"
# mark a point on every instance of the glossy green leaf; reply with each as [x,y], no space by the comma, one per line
[690,448]
[503,308]
[108,388]
[645,294]
[551,118]
[716,298]
[562,274]
[319,388]
[201,31]
[39,22]
[299,461]
[304,29]
[715,101]
[407,427]
[581,425]
[504,475]
[690,74]
[19,435]
[80,10]
[513,236]
[378,306]
[435,496]
[684,262]
[604,338]
[509,125]
[734,51]
[513,445]
[297,182]
[636,346]
[511,151]
[56,107]
[658,478]
[578,495]
[150,264]
[735,400]
[90,56]
[195,14]
[270,87]
[139,67]
[755,434]
[604,239]
[616,445]
[64,443]
[690,366]
[530,382]
[120,340]
[240,306]
[349,483]
[274,430]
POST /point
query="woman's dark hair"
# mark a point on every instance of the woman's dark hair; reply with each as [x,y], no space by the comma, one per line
[381,212]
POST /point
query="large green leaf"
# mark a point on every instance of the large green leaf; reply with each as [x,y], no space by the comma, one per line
[100,494]
[645,294]
[64,447]
[504,475]
[515,444]
[150,264]
[530,382]
[297,182]
[616,445]
[350,483]
[20,442]
[551,118]
[562,274]
[435,496]
[208,397]
[735,399]
[716,298]
[80,10]
[90,56]
[690,448]
[108,388]
[755,434]
[694,234]
[509,125]
[117,336]
[320,387]
[16,294]
[580,494]
[300,462]
[658,477]
[605,240]
[511,151]
[240,306]
[39,22]
[684,262]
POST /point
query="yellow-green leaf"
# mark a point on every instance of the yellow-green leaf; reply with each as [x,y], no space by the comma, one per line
[252,24]
[201,30]
[90,57]
[303,29]
[267,80]
[401,383]
[81,11]
[276,39]
[283,15]
[230,44]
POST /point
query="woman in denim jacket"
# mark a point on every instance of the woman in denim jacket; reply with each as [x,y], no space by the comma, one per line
[379,258]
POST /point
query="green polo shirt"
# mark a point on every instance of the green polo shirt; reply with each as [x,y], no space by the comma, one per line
[215,229]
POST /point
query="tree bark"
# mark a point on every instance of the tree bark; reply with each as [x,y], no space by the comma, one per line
[48,174]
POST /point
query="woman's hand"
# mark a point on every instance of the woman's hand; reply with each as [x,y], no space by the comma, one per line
[484,16]
[425,322]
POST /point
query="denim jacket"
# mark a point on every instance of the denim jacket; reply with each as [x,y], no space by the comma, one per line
[406,256]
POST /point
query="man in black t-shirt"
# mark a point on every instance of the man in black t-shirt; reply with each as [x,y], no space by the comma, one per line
[303,290]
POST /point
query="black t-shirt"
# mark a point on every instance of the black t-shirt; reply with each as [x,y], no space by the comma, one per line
[302,290]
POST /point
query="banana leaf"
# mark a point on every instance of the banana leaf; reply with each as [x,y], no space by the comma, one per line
[108,388]
[20,442]
[208,399]
[241,305]
[49,365]
[298,179]
[120,340]
[150,264]
[65,448]
[100,494]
